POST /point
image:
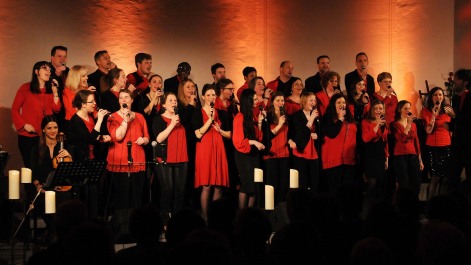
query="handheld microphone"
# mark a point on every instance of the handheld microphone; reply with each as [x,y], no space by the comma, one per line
[129,144]
[382,118]
[211,104]
[154,145]
[125,106]
[282,110]
[260,108]
[175,110]
[437,104]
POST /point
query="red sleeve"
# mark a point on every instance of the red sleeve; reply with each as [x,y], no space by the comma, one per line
[18,102]
[400,135]
[368,134]
[130,79]
[238,139]
[273,85]
[114,121]
[416,138]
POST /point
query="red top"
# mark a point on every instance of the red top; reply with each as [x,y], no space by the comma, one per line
[405,144]
[241,143]
[340,150]
[242,88]
[390,104]
[176,144]
[291,106]
[440,136]
[309,151]
[273,85]
[130,79]
[322,102]
[369,135]
[29,108]
[279,144]
[67,98]
[90,124]
[218,104]
[118,151]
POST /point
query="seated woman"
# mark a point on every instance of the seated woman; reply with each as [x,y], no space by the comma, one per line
[45,158]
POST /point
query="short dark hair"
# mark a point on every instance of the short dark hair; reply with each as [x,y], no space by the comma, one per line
[465,75]
[221,84]
[98,54]
[81,98]
[141,57]
[383,76]
[327,76]
[55,48]
[399,106]
[247,70]
[215,66]
[207,87]
[322,56]
[282,64]
[360,54]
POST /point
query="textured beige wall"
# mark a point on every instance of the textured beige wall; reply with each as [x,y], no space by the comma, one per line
[414,40]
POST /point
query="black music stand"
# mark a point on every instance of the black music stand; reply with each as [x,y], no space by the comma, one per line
[76,174]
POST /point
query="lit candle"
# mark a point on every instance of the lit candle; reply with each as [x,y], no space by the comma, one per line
[25,175]
[258,175]
[293,179]
[50,201]
[13,184]
[269,197]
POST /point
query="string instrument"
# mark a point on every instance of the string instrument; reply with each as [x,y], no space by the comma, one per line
[56,160]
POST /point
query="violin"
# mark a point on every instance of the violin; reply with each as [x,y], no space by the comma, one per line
[56,160]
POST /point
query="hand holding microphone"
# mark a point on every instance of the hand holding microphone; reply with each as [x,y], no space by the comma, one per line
[211,104]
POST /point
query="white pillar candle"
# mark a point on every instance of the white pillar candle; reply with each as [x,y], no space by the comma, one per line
[258,175]
[269,197]
[293,179]
[50,201]
[26,175]
[13,184]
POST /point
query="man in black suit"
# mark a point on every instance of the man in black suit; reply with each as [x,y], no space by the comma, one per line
[461,127]
[361,73]
[313,83]
[171,84]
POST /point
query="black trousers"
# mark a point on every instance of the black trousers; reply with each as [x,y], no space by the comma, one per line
[308,170]
[172,182]
[407,171]
[277,175]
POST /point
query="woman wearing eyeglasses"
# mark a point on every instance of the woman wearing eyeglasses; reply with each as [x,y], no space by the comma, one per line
[32,102]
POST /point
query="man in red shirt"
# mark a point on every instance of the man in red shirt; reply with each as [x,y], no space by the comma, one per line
[139,79]
[249,72]
[281,82]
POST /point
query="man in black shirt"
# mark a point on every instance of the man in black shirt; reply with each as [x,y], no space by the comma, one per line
[313,83]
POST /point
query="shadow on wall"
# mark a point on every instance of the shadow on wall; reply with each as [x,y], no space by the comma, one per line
[411,93]
[9,141]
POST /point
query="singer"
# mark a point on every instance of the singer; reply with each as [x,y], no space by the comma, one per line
[329,82]
[386,94]
[263,95]
[358,100]
[407,160]
[275,139]
[374,132]
[293,102]
[304,133]
[438,141]
[32,102]
[247,138]
[76,80]
[339,147]
[211,169]
[172,157]
[128,178]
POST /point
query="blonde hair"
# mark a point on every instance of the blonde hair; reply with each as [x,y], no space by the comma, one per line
[181,92]
[73,78]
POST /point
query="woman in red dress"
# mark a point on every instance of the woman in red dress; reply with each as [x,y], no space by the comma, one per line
[128,130]
[172,157]
[211,168]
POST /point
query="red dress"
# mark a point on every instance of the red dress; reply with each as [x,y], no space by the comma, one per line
[211,163]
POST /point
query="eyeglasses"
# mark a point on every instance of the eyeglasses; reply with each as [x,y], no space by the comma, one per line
[91,102]
[45,68]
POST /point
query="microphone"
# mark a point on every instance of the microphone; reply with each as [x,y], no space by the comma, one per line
[125,106]
[106,115]
[175,110]
[437,104]
[55,83]
[382,118]
[282,110]
[154,145]
[211,104]
[129,144]
[260,108]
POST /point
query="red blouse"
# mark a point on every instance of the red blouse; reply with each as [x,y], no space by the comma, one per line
[440,136]
[241,143]
[90,124]
[322,102]
[405,144]
[291,106]
[29,108]
[390,104]
[279,144]
[67,98]
[369,135]
[176,144]
[309,151]
[118,153]
[340,150]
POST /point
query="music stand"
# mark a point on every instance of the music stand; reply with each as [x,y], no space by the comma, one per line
[76,173]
